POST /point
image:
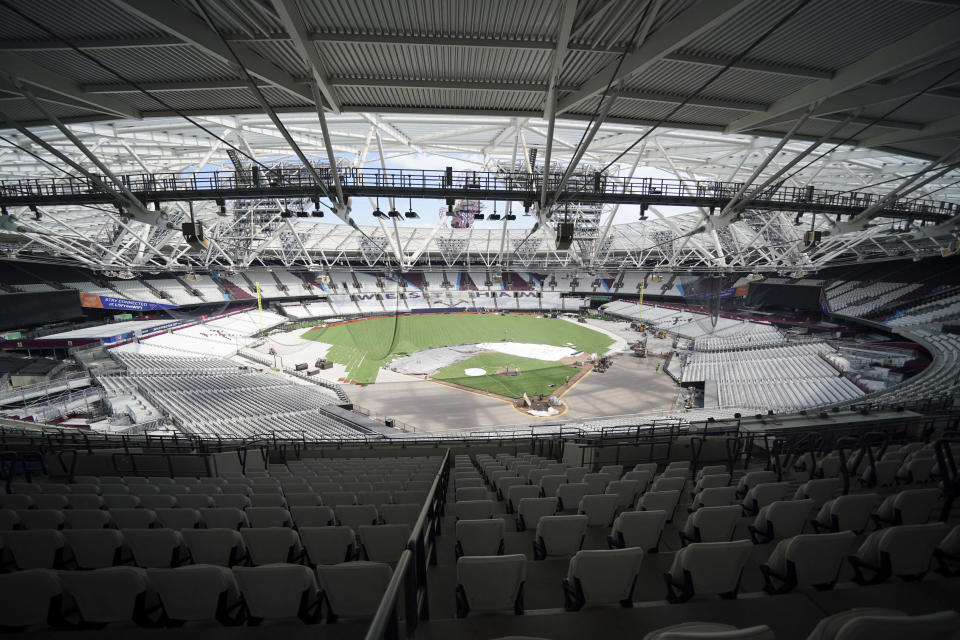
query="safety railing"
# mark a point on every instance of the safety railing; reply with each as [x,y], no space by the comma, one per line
[410,575]
[508,184]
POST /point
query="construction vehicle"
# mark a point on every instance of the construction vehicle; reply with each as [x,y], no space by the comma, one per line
[601,365]
[639,348]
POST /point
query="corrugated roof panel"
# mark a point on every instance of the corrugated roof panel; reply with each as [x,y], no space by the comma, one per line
[825,34]
[283,54]
[617,20]
[86,19]
[440,98]
[363,60]
[523,19]
[683,79]
[179,63]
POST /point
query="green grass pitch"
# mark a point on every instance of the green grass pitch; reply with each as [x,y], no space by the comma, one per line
[364,346]
[537,377]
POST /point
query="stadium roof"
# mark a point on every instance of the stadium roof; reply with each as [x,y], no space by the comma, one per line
[703,89]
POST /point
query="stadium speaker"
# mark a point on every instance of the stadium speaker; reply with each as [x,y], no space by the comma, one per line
[810,240]
[193,234]
[564,236]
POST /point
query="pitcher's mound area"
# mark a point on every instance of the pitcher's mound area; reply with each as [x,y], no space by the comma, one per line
[507,375]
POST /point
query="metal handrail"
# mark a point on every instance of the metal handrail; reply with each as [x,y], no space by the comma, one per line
[420,551]
[385,623]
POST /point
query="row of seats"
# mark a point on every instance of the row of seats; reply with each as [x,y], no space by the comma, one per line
[318,544]
[121,595]
[211,517]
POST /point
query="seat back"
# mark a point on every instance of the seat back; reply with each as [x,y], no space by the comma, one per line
[270,545]
[194,593]
[354,589]
[41,549]
[275,591]
[530,510]
[660,501]
[474,509]
[480,537]
[550,483]
[599,509]
[932,626]
[328,545]
[561,535]
[400,513]
[108,595]
[154,547]
[354,515]
[753,478]
[269,517]
[853,511]
[712,480]
[911,546]
[94,548]
[817,557]
[915,505]
[640,528]
[664,483]
[612,470]
[715,524]
[715,497]
[570,494]
[819,490]
[606,576]
[470,493]
[597,482]
[788,517]
[491,583]
[517,493]
[625,490]
[27,598]
[384,542]
[221,547]
[312,516]
[714,567]
[764,493]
